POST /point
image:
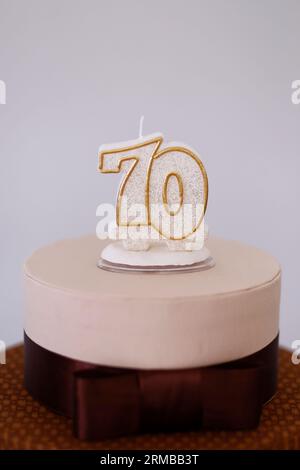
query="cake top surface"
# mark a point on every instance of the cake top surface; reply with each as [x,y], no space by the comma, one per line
[70,265]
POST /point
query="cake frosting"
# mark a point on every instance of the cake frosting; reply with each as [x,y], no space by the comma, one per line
[156,255]
[151,322]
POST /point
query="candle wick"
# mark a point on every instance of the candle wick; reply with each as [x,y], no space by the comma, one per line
[141,127]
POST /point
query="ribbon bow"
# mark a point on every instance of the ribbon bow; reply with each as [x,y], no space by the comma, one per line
[107,402]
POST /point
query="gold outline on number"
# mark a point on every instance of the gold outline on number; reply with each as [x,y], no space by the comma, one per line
[205,189]
[154,156]
[101,155]
[165,193]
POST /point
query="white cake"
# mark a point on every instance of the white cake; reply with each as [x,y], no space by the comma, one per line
[148,321]
[159,329]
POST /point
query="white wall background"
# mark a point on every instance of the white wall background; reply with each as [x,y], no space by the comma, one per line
[214,74]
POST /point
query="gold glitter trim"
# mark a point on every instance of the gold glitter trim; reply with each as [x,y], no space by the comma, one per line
[155,155]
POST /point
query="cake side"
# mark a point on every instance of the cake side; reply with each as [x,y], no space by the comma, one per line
[153,321]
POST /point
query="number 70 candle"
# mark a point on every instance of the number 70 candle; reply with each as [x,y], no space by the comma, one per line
[162,195]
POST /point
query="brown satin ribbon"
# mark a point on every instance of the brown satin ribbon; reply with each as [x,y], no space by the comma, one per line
[107,402]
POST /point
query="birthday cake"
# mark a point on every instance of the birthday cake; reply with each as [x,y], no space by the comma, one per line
[151,324]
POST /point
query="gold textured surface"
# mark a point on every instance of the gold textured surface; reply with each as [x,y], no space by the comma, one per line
[25,424]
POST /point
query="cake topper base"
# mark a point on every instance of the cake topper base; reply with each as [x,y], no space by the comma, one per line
[158,259]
